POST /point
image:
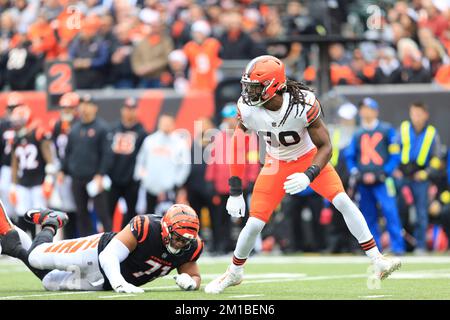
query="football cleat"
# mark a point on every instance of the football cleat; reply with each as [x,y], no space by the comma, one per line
[384,266]
[226,280]
[47,217]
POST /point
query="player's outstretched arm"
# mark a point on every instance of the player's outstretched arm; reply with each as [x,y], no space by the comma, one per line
[188,277]
[299,181]
[114,253]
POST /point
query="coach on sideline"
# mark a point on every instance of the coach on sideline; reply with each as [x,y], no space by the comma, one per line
[88,159]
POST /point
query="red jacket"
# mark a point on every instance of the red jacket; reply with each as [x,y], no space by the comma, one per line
[218,168]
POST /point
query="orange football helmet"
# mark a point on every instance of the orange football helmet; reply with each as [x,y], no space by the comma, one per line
[263,77]
[180,224]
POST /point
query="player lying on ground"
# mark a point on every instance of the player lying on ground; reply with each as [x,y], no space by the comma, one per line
[144,250]
[287,115]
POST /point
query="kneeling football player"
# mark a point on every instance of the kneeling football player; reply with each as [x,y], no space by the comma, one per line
[144,250]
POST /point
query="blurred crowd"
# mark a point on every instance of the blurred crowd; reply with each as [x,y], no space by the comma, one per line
[181,44]
[103,174]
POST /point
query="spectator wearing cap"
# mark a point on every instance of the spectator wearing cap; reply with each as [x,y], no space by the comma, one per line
[162,164]
[90,55]
[87,160]
[176,76]
[218,173]
[149,58]
[127,136]
[372,157]
[121,72]
[63,198]
[420,161]
[203,56]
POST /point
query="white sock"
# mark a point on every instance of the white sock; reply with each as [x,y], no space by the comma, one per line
[373,253]
[246,241]
[355,221]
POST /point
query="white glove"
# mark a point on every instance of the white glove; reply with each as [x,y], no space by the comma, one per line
[236,206]
[127,288]
[185,282]
[296,182]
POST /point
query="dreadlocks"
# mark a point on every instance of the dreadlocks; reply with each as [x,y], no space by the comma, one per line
[296,98]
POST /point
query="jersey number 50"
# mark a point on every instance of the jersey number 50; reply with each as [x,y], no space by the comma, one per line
[286,138]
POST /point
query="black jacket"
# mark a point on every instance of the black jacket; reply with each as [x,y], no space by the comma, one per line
[88,150]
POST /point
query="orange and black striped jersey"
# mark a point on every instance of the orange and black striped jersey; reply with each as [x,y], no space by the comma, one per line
[150,259]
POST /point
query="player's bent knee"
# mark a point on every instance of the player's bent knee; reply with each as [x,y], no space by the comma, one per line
[255,225]
[341,199]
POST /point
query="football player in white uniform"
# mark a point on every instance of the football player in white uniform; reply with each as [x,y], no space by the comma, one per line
[287,115]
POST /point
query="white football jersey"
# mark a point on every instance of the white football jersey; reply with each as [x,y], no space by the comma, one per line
[287,141]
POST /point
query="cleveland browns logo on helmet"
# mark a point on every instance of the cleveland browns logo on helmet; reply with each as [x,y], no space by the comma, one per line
[180,224]
[263,77]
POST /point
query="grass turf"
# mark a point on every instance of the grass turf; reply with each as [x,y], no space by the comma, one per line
[266,278]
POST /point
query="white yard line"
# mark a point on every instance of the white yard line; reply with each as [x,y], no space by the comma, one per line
[247,296]
[267,259]
[117,296]
[375,297]
[45,295]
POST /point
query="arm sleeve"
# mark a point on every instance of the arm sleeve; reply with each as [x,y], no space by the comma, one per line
[394,152]
[110,258]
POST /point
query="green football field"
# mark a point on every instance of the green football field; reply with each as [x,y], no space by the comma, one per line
[268,277]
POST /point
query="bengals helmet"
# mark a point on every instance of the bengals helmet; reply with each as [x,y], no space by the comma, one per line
[14,99]
[179,224]
[263,77]
[20,117]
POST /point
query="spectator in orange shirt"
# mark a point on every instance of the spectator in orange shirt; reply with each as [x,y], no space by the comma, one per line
[203,55]
[42,38]
[67,26]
